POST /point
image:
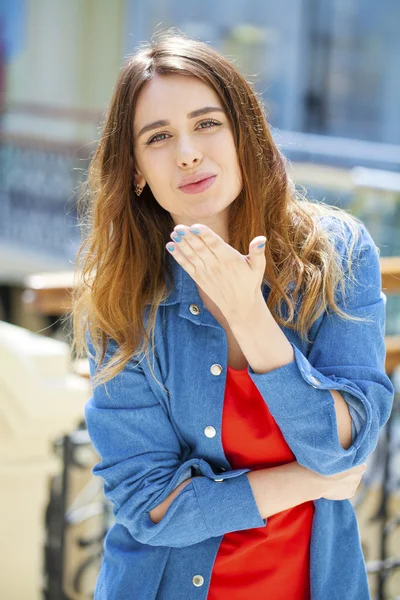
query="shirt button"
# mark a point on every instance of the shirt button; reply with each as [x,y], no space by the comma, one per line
[194,309]
[216,369]
[198,580]
[210,432]
[315,381]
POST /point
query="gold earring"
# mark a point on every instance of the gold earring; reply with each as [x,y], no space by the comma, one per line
[138,189]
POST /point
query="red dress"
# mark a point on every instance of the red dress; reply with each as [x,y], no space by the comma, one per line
[271,562]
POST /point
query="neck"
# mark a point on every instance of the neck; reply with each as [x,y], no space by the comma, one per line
[218,223]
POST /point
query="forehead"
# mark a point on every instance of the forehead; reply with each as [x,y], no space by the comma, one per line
[169,96]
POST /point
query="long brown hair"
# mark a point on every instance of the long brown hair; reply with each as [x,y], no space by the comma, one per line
[122,263]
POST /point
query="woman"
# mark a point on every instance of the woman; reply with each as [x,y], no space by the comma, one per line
[236,341]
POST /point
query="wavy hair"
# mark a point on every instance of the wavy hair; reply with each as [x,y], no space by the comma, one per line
[122,263]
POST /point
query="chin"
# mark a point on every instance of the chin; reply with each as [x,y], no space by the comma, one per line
[208,207]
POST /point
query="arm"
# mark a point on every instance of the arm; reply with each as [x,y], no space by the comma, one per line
[343,420]
[271,349]
[141,464]
[345,356]
[157,513]
[292,484]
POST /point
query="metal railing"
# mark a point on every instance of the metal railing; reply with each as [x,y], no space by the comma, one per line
[78,517]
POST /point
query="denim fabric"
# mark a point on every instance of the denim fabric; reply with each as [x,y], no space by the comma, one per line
[357,413]
[150,440]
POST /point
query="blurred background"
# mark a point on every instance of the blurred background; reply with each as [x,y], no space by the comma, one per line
[329,74]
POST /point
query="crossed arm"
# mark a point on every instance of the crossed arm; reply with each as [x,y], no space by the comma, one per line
[266,348]
[140,453]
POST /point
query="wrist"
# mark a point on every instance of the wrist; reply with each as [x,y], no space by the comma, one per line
[312,481]
[249,313]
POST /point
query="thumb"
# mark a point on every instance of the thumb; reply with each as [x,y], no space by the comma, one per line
[256,250]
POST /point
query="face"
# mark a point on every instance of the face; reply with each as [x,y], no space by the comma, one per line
[182,130]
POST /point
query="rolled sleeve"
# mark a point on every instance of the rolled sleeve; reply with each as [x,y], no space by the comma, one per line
[205,508]
[357,413]
[140,462]
[347,356]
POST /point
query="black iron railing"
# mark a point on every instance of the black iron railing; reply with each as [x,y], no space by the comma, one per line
[77,519]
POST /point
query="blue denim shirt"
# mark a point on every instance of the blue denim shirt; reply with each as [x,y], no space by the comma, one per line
[150,440]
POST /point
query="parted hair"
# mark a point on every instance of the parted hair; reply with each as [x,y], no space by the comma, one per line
[122,263]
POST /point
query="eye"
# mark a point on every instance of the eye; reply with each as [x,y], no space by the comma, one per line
[156,138]
[209,123]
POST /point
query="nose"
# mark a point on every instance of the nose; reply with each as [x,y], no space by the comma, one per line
[188,155]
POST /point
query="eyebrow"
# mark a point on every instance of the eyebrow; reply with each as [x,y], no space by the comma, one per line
[191,115]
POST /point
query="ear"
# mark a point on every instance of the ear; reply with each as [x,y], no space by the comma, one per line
[139,180]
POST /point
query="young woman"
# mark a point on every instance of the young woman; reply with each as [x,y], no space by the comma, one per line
[235,334]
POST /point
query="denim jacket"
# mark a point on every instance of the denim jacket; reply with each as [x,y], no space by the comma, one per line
[150,440]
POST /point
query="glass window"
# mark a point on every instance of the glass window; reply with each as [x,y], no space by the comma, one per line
[261,38]
[322,66]
[353,69]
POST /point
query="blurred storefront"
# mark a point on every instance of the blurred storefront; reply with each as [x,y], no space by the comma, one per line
[327,67]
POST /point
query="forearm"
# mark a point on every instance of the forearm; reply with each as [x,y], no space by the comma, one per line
[266,348]
[279,488]
[275,489]
[260,338]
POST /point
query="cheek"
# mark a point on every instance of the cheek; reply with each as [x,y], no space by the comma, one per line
[230,153]
[239,180]
[235,168]
[155,171]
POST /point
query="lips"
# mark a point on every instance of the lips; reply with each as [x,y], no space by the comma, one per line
[200,186]
[190,179]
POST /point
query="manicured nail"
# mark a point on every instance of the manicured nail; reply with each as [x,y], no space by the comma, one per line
[194,230]
[182,233]
[261,245]
[177,238]
[171,248]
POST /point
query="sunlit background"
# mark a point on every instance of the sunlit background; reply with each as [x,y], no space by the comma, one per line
[329,74]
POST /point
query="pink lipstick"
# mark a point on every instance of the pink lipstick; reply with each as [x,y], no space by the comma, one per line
[200,186]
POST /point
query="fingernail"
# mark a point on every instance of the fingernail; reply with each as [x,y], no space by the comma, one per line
[171,248]
[177,238]
[194,230]
[182,233]
[261,245]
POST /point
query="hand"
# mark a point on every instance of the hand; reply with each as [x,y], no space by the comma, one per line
[342,486]
[230,279]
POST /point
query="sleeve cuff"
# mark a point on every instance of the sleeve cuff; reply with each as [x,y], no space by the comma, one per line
[357,413]
[295,389]
[228,505]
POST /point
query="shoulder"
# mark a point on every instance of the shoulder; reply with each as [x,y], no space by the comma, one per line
[358,258]
[349,236]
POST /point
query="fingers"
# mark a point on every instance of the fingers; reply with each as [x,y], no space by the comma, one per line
[197,239]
